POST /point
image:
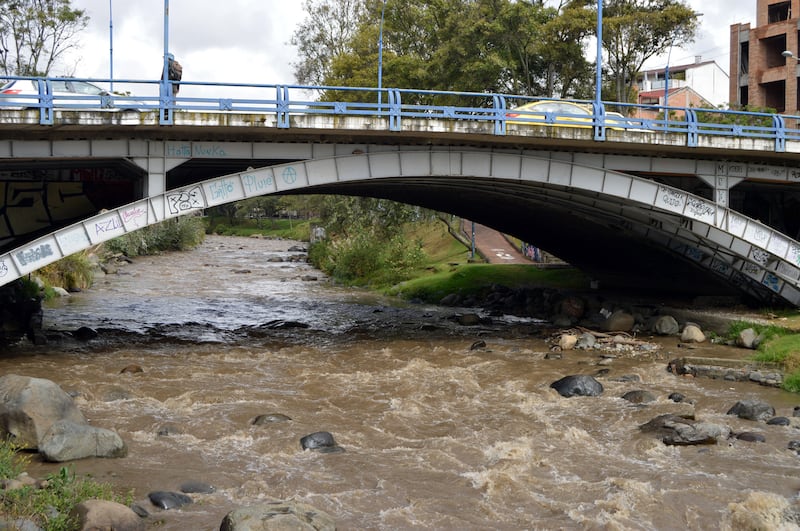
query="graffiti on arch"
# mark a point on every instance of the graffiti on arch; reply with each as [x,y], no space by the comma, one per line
[185,200]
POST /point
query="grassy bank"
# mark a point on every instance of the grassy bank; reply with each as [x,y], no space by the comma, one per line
[476,279]
[291,229]
[49,502]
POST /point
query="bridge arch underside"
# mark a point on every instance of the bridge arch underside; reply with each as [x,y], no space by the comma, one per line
[628,232]
[624,246]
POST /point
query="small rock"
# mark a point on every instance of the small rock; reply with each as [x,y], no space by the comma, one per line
[751,436]
[677,397]
[318,441]
[84,333]
[567,341]
[586,341]
[169,500]
[131,369]
[480,344]
[639,397]
[468,319]
[746,338]
[692,334]
[168,429]
[270,418]
[666,325]
[199,487]
[619,321]
[577,385]
[778,421]
[102,514]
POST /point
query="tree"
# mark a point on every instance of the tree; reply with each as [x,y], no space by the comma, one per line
[636,30]
[34,34]
[480,46]
[324,34]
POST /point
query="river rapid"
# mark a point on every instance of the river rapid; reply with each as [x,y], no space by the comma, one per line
[437,435]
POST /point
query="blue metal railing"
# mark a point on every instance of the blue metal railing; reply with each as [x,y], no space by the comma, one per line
[283,101]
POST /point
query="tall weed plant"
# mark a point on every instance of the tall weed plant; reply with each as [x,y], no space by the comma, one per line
[73,272]
[178,234]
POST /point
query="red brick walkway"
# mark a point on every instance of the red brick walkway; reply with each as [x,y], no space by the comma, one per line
[494,246]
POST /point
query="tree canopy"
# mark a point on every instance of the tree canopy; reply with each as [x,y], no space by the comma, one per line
[34,34]
[637,30]
[523,47]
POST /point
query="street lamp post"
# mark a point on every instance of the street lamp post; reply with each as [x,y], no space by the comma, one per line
[666,85]
[380,55]
[599,65]
[110,48]
[788,54]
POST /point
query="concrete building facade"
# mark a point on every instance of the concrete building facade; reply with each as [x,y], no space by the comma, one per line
[760,73]
[706,78]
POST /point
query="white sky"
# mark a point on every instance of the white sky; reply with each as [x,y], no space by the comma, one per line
[248,40]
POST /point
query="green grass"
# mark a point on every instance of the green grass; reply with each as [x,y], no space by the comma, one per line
[50,506]
[781,346]
[291,229]
[477,279]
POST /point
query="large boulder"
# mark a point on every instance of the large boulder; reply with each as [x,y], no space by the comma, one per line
[66,440]
[752,410]
[30,406]
[619,321]
[102,514]
[682,431]
[578,385]
[747,338]
[278,516]
[666,325]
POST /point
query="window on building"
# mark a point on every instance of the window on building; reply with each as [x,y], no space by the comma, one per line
[773,48]
[744,96]
[775,95]
[744,58]
[778,12]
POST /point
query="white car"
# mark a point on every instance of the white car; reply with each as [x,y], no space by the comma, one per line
[66,93]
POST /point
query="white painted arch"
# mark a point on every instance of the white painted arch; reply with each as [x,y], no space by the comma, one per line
[739,249]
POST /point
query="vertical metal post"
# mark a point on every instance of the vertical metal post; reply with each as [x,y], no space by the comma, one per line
[473,242]
[165,78]
[599,65]
[164,88]
[666,86]
[380,56]
[110,48]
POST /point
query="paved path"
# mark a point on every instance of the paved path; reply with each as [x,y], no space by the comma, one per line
[494,246]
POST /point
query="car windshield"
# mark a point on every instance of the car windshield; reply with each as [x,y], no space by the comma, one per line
[59,86]
[559,108]
[80,87]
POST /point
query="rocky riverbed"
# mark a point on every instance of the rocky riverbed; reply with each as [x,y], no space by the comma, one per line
[258,379]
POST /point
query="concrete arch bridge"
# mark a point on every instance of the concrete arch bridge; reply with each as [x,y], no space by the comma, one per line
[640,210]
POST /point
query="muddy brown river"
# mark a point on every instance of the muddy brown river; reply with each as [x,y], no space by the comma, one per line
[436,435]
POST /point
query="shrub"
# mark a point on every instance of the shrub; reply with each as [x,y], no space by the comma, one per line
[11,463]
[178,234]
[356,259]
[71,272]
[50,506]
